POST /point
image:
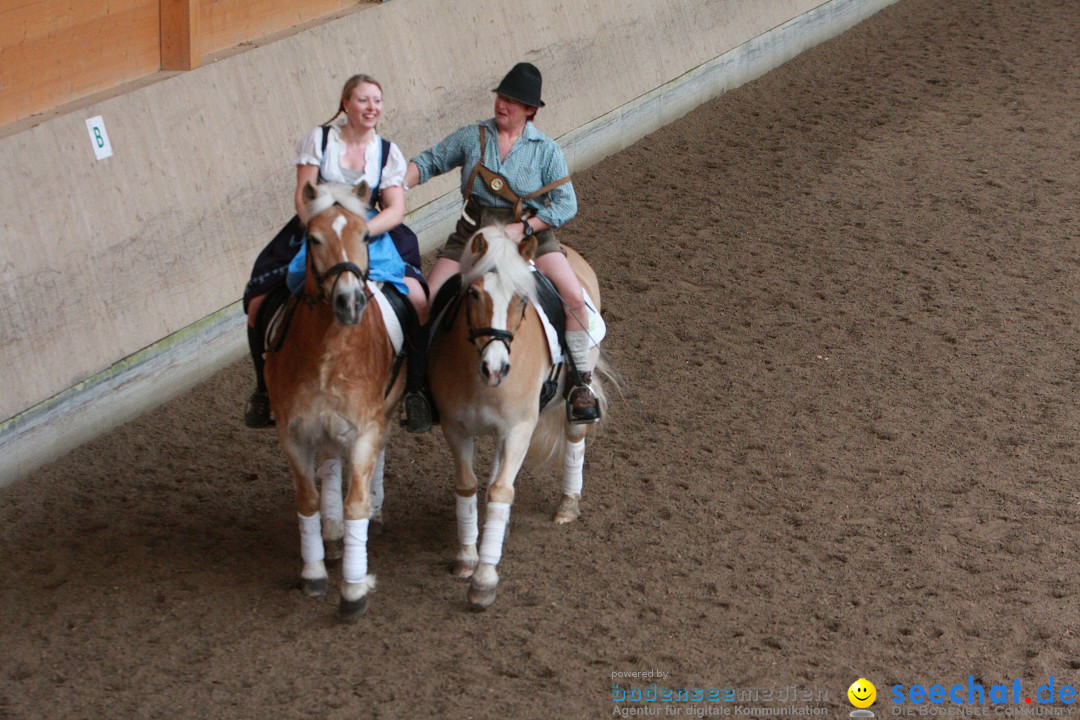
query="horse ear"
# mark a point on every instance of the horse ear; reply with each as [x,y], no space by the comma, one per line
[527,248]
[362,191]
[308,193]
[479,244]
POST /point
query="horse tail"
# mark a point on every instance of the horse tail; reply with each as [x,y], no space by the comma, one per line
[548,446]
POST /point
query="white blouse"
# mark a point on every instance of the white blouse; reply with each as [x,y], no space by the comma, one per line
[309,152]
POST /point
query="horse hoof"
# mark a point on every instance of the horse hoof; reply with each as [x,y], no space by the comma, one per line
[480,599]
[352,610]
[463,569]
[313,588]
[334,549]
[568,510]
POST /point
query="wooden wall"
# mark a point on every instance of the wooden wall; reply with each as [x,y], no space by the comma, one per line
[55,51]
[52,51]
[225,23]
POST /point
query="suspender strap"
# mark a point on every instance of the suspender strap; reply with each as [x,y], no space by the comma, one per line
[476,167]
[498,184]
[325,137]
[549,186]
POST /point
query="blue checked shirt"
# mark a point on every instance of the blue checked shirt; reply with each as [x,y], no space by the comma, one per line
[534,161]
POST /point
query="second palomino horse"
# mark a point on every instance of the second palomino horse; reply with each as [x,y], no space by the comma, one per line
[489,359]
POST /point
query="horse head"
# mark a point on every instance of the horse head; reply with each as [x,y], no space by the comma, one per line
[337,248]
[497,285]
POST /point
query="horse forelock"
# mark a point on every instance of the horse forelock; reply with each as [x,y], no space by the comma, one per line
[511,271]
[330,194]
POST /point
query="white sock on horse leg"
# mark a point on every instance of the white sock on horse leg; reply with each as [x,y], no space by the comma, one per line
[377,492]
[579,344]
[496,516]
[573,464]
[311,544]
[354,564]
[330,490]
[466,519]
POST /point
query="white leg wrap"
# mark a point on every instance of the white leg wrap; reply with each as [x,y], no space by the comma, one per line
[579,344]
[354,564]
[311,545]
[466,520]
[377,493]
[496,516]
[573,464]
[330,491]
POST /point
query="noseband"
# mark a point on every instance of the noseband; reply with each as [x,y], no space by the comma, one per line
[493,334]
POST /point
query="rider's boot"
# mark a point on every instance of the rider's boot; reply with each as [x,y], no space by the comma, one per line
[582,404]
[420,412]
[257,412]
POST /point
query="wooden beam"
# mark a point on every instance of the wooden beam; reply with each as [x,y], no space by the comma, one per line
[180,46]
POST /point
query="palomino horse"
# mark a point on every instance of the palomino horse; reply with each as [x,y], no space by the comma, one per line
[329,387]
[496,328]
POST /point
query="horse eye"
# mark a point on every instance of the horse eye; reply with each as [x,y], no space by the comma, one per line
[314,240]
[474,293]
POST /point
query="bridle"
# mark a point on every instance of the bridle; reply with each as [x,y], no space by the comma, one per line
[334,271]
[493,334]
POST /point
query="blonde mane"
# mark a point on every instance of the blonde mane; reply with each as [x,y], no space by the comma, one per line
[329,194]
[502,258]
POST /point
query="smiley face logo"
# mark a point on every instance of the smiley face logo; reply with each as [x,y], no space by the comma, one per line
[862,693]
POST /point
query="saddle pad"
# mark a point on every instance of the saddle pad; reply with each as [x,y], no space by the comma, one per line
[597,328]
[390,318]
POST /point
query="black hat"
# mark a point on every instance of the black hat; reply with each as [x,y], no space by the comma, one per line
[522,83]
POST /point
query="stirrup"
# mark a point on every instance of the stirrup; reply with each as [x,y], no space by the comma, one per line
[257,412]
[418,414]
[582,406]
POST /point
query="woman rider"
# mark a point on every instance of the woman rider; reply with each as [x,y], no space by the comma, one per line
[512,173]
[348,151]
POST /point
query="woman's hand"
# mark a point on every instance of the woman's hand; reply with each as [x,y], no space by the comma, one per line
[515,231]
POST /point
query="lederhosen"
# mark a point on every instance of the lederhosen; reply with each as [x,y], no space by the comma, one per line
[475,215]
